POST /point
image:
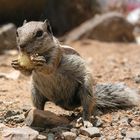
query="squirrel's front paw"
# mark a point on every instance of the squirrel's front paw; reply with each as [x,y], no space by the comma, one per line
[15,64]
[38,61]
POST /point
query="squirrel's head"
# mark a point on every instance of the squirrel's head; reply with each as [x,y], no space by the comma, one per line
[35,37]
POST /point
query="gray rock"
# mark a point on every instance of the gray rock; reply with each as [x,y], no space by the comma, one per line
[106,27]
[7,37]
[69,135]
[125,121]
[116,118]
[10,113]
[136,111]
[51,136]
[102,138]
[20,133]
[16,118]
[120,137]
[126,139]
[133,134]
[81,137]
[111,137]
[76,131]
[41,137]
[135,123]
[97,122]
[13,75]
[2,126]
[1,119]
[123,132]
[91,132]
[137,79]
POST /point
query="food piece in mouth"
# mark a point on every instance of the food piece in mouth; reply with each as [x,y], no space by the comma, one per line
[25,60]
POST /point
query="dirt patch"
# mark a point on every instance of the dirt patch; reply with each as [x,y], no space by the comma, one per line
[109,63]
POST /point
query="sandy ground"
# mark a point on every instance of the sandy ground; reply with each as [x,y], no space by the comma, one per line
[109,62]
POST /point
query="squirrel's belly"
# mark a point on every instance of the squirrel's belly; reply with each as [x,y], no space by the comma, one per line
[59,89]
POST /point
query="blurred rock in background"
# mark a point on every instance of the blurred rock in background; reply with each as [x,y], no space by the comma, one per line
[134,18]
[7,37]
[109,27]
[124,6]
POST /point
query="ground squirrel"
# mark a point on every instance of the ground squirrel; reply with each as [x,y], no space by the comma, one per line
[60,74]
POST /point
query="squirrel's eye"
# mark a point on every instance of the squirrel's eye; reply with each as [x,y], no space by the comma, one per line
[39,33]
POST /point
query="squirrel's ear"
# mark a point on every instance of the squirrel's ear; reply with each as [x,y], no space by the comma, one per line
[46,21]
[24,22]
[49,29]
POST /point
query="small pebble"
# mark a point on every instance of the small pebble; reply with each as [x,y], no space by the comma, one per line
[16,119]
[137,79]
[91,132]
[123,132]
[51,136]
[97,122]
[133,134]
[41,137]
[10,113]
[76,131]
[69,135]
[19,133]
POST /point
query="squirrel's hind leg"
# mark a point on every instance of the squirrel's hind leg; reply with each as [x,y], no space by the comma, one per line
[38,99]
[88,104]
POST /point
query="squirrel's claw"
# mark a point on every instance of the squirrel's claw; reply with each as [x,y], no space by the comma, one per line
[15,64]
[38,61]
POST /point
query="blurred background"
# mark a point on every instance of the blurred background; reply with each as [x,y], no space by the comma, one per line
[76,19]
[63,14]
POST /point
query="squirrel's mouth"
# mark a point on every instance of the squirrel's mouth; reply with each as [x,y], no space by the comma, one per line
[28,49]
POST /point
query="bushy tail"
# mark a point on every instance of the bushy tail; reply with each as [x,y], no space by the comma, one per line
[116,95]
